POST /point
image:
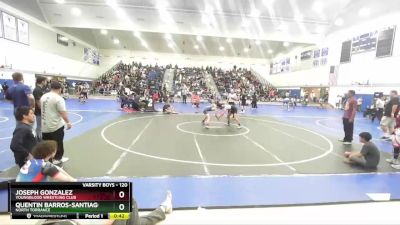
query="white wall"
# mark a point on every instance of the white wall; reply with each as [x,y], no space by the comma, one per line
[335,91]
[43,54]
[363,67]
[27,58]
[303,78]
[29,78]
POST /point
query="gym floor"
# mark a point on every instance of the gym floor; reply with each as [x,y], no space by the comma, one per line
[276,158]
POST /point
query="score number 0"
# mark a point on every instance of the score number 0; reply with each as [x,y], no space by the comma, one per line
[121,195]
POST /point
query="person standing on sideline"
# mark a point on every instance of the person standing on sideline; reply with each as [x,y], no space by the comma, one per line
[359,104]
[20,94]
[254,101]
[380,106]
[38,92]
[389,116]
[23,139]
[184,94]
[54,115]
[243,102]
[350,110]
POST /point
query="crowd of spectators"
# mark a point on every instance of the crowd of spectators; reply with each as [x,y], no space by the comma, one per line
[192,80]
[138,78]
[136,85]
[242,81]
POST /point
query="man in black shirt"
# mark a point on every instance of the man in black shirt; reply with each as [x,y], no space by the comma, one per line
[23,139]
[38,92]
[388,121]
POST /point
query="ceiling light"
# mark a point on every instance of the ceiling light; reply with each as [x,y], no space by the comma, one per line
[168,36]
[364,12]
[60,1]
[170,45]
[258,42]
[229,40]
[111,2]
[208,9]
[116,41]
[318,6]
[319,30]
[76,11]
[136,33]
[104,32]
[144,44]
[63,38]
[199,38]
[221,48]
[339,22]
[255,13]
[245,23]
[268,2]
[162,5]
[286,44]
[270,51]
[246,49]
[283,27]
[196,46]
[298,17]
[205,19]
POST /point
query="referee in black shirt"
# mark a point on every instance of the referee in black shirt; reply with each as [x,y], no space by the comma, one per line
[38,92]
[23,139]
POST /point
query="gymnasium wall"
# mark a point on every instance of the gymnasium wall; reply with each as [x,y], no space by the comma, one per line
[43,54]
[363,67]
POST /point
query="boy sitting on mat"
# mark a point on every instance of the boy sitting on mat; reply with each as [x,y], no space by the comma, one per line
[369,156]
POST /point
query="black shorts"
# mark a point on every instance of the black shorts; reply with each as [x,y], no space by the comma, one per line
[244,102]
[233,110]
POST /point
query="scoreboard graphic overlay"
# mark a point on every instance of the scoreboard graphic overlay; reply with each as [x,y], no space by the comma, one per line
[78,200]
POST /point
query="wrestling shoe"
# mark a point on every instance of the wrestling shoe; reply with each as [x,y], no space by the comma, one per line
[397,167]
[393,161]
[64,159]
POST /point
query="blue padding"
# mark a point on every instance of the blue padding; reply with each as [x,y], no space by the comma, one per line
[263,191]
[227,191]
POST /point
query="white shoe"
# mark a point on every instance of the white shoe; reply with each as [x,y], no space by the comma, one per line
[64,159]
[397,167]
[239,127]
[166,205]
[347,143]
[393,161]
[57,162]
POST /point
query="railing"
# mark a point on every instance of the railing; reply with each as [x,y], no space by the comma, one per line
[169,79]
[211,84]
